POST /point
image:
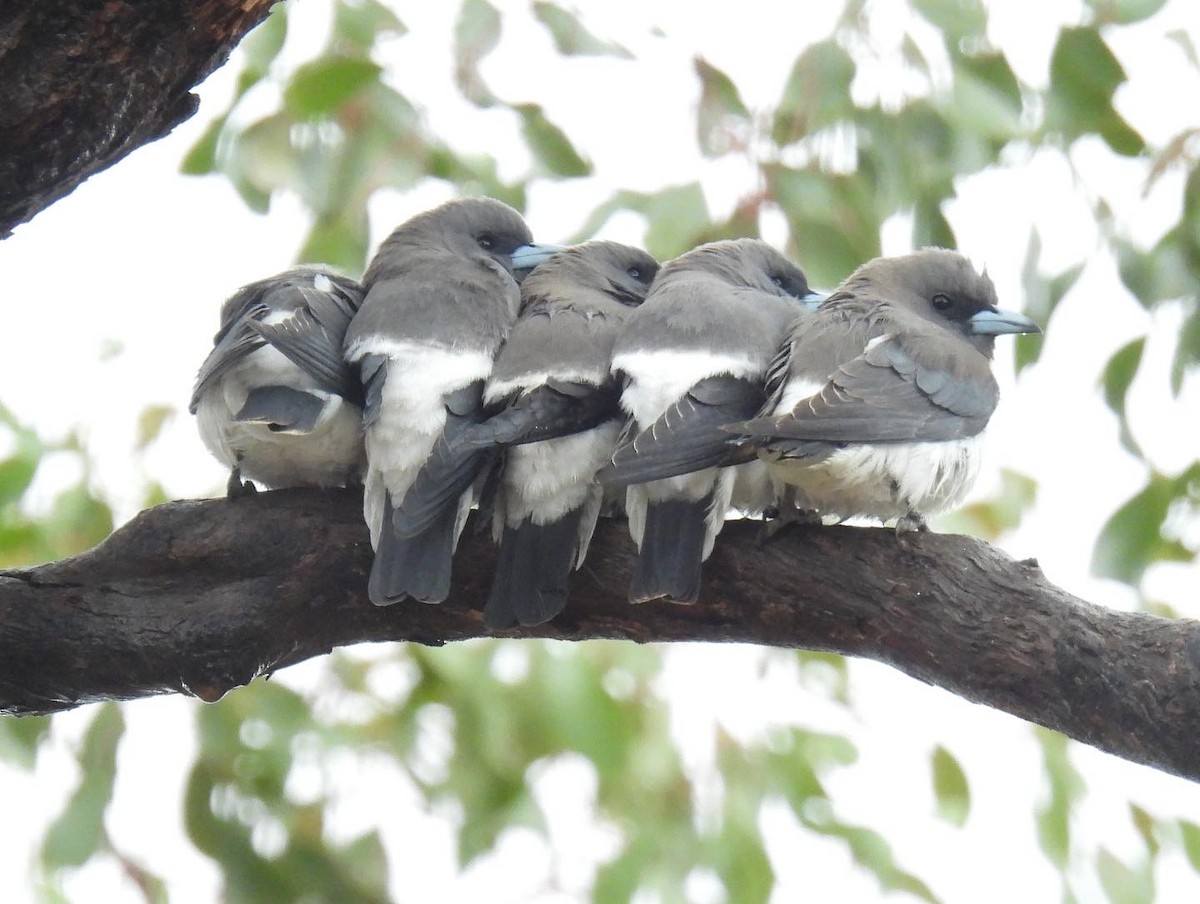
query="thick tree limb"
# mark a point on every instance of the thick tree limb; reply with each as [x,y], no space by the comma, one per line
[200,597]
[83,83]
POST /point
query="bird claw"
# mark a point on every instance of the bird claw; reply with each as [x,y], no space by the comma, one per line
[911,523]
[236,488]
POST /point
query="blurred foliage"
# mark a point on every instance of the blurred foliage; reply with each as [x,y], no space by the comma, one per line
[472,730]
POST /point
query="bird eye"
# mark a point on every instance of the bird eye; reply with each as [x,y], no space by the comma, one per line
[486,242]
[941,302]
[778,280]
[635,272]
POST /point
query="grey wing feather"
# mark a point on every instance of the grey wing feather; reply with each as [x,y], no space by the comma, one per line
[889,394]
[449,471]
[236,339]
[282,409]
[310,346]
[372,373]
[689,436]
[556,408]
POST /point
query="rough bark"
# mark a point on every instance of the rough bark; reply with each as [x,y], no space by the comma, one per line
[83,83]
[200,597]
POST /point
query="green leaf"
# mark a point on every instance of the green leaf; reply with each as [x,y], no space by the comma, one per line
[1066,787]
[1124,884]
[1118,374]
[320,88]
[816,94]
[549,145]
[1084,73]
[723,121]
[570,36]
[1190,833]
[1132,539]
[991,518]
[341,242]
[1042,296]
[930,226]
[1164,272]
[151,422]
[950,787]
[201,157]
[20,737]
[1145,825]
[78,832]
[1124,12]
[1187,352]
[360,24]
[956,19]
[476,34]
[262,46]
[987,98]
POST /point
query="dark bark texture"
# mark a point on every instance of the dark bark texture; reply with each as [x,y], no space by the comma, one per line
[84,82]
[201,597]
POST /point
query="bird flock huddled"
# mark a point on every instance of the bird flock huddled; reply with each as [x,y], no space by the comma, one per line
[547,386]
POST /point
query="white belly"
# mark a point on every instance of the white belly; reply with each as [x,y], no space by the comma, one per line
[886,480]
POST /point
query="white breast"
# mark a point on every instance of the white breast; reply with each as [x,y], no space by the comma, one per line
[658,379]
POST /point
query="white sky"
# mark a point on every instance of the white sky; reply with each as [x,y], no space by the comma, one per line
[143,257]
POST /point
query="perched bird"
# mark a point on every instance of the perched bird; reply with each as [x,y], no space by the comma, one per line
[559,422]
[441,297]
[881,394]
[694,358]
[274,400]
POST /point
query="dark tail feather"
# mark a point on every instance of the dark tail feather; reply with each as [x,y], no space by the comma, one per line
[533,572]
[672,551]
[282,409]
[418,566]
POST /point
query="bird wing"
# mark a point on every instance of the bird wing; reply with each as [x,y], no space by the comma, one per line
[902,388]
[236,339]
[688,436]
[307,343]
[450,469]
[556,408]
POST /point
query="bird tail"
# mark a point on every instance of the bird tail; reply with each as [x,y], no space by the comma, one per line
[533,571]
[672,551]
[417,565]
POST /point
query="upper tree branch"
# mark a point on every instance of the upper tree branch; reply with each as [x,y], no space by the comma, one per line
[83,83]
[203,596]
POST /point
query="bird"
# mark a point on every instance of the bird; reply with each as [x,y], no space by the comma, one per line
[274,401]
[693,358]
[880,396]
[558,419]
[441,295]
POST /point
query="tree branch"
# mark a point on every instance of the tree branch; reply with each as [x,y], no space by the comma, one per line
[200,597]
[84,83]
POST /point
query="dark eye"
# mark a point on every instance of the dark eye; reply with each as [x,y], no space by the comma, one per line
[635,272]
[486,242]
[778,280]
[941,302]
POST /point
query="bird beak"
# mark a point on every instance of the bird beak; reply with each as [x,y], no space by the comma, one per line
[526,257]
[813,299]
[990,322]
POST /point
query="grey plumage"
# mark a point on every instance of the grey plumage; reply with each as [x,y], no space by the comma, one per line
[441,297]
[274,400]
[879,396]
[557,421]
[694,358]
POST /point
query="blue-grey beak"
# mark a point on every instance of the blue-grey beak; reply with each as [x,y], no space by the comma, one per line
[996,323]
[526,257]
[813,299]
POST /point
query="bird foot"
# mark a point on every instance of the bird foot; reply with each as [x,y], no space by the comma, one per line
[911,523]
[236,488]
[777,520]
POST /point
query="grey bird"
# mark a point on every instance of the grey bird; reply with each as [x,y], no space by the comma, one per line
[558,423]
[694,359]
[441,297]
[880,395]
[274,400]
